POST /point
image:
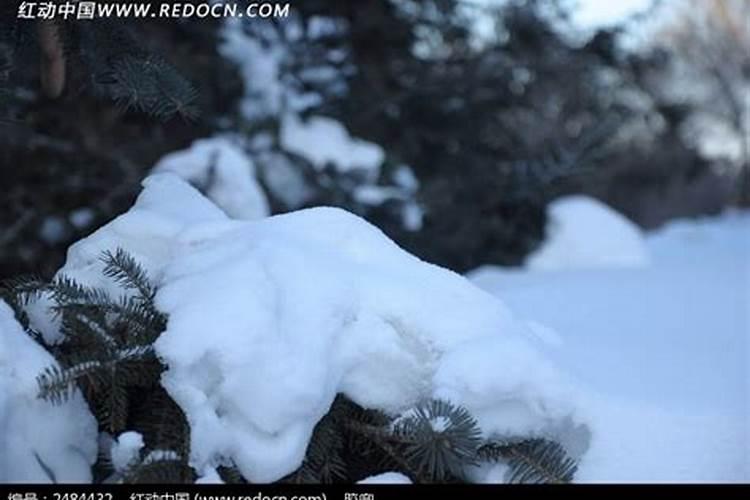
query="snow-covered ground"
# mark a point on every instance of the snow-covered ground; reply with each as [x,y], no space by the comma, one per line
[661,348]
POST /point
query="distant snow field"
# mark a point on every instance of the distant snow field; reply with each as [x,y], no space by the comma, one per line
[662,348]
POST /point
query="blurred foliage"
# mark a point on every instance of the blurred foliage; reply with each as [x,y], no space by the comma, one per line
[70,164]
[496,129]
[493,128]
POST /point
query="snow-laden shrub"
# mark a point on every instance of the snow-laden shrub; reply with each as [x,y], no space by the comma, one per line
[268,321]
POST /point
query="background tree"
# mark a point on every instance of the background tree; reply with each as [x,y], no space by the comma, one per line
[479,129]
[709,71]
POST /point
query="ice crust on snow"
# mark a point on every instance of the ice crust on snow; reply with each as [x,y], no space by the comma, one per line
[585,233]
[270,319]
[39,442]
[224,172]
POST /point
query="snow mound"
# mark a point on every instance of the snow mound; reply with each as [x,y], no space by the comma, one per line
[585,233]
[270,319]
[223,171]
[39,442]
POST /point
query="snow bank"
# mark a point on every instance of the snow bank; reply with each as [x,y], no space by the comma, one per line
[224,172]
[324,141]
[664,351]
[270,319]
[39,442]
[585,233]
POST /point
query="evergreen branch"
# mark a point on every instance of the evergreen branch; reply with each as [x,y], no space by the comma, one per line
[381,438]
[161,421]
[323,461]
[124,270]
[230,474]
[159,467]
[66,291]
[152,86]
[143,321]
[90,329]
[23,290]
[445,439]
[112,404]
[57,385]
[532,460]
[19,293]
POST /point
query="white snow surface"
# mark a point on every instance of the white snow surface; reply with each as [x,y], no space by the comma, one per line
[224,172]
[270,319]
[126,450]
[386,478]
[260,69]
[323,141]
[586,233]
[39,442]
[663,350]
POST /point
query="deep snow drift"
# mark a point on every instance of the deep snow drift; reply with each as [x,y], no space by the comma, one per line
[664,348]
[269,319]
[39,441]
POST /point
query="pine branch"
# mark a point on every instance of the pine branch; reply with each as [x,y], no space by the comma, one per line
[230,474]
[24,289]
[161,422]
[57,384]
[87,327]
[152,86]
[532,460]
[66,291]
[383,441]
[159,467]
[124,270]
[113,404]
[444,439]
[19,293]
[143,321]
[121,70]
[323,461]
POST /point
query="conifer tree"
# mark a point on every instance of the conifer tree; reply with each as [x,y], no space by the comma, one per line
[116,64]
